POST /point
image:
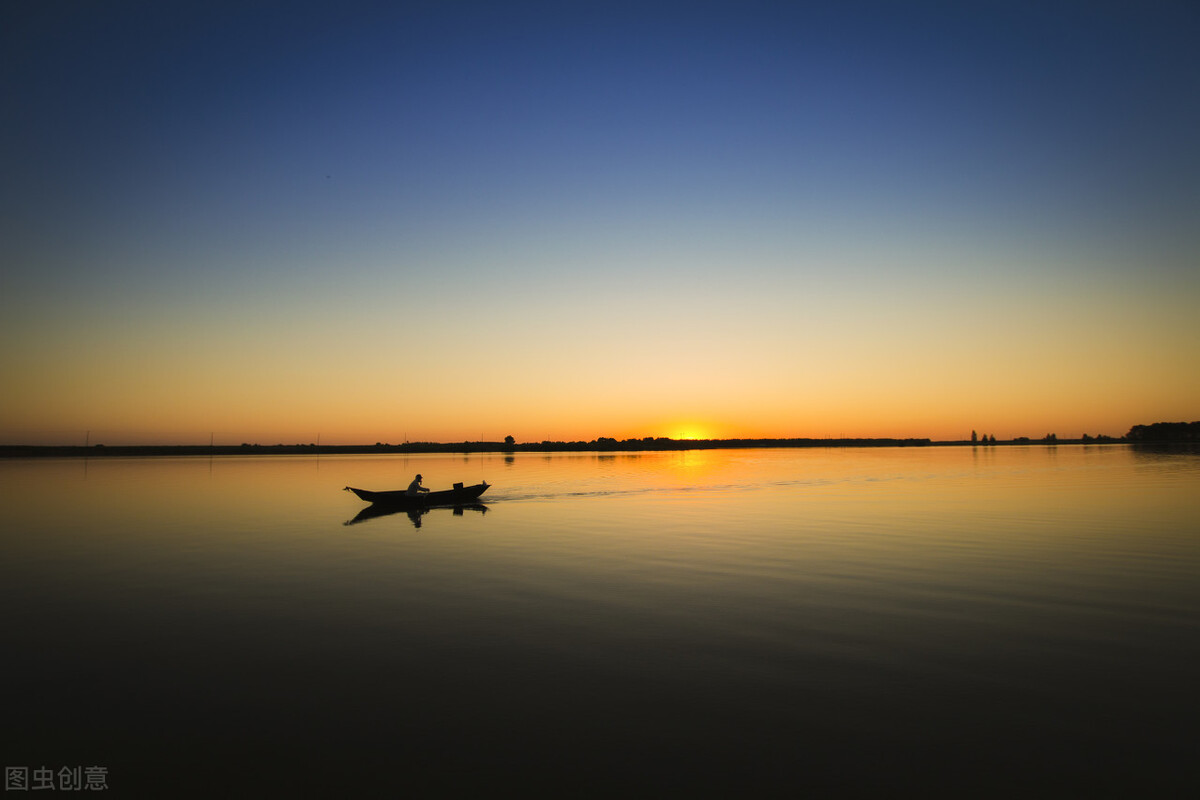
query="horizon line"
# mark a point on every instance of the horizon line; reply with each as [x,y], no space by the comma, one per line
[600,444]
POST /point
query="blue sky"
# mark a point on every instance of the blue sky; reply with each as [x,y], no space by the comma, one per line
[265,191]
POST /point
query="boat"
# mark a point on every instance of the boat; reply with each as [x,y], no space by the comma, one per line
[459,495]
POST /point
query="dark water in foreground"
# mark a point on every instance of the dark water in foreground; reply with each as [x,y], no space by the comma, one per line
[997,622]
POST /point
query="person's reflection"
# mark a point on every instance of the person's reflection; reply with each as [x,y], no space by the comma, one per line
[415,514]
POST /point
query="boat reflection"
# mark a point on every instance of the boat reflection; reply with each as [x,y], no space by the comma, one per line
[414,514]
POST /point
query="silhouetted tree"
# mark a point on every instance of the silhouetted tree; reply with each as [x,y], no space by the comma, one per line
[1165,432]
[974,437]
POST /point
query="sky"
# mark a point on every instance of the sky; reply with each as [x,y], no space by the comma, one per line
[450,221]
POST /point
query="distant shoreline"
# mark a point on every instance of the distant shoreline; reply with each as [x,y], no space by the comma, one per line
[415,448]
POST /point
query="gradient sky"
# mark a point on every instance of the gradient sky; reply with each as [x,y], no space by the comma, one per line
[448,221]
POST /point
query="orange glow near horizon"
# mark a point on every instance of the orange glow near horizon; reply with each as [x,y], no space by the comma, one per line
[261,429]
[842,370]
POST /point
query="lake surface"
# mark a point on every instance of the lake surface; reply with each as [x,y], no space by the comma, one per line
[979,621]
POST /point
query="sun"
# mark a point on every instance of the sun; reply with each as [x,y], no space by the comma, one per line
[690,432]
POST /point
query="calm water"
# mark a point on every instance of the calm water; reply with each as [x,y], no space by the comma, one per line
[979,621]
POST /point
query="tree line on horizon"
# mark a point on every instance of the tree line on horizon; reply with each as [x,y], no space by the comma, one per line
[1155,433]
[1165,432]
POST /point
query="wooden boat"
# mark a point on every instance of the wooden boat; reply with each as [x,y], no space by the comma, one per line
[459,495]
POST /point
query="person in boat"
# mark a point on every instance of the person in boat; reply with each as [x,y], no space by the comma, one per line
[415,488]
